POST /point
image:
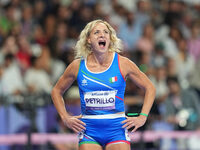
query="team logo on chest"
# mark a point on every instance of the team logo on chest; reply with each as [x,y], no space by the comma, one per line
[84,82]
[113,79]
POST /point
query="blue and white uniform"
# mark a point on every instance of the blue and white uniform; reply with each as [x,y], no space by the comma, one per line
[102,100]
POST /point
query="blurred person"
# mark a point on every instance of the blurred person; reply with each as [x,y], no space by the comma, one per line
[85,16]
[57,69]
[97,50]
[171,69]
[7,20]
[27,20]
[186,22]
[45,58]
[182,109]
[159,58]
[194,41]
[143,12]
[195,77]
[36,79]
[80,17]
[115,13]
[1,84]
[24,53]
[39,36]
[39,11]
[159,80]
[64,13]
[130,31]
[61,41]
[9,47]
[146,42]
[98,10]
[170,42]
[12,78]
[49,26]
[129,5]
[174,13]
[184,63]
[144,62]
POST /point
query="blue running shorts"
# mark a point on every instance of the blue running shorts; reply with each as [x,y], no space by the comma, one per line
[103,130]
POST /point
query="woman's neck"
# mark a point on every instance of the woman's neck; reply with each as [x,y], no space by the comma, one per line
[102,59]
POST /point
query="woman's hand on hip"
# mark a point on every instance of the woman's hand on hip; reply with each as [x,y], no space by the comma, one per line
[134,122]
[74,123]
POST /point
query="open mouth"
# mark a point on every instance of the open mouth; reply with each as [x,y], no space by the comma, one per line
[102,44]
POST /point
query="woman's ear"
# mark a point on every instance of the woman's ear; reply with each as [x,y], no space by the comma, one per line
[89,41]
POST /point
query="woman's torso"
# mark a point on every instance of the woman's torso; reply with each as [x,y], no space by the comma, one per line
[101,92]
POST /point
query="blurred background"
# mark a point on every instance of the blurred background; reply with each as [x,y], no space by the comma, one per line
[36,44]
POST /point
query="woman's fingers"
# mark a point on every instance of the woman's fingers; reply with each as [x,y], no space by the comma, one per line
[81,122]
[77,128]
[79,125]
[135,129]
[128,124]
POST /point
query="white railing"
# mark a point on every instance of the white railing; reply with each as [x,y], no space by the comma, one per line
[39,138]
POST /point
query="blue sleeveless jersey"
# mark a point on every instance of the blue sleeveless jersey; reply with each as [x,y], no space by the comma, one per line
[102,92]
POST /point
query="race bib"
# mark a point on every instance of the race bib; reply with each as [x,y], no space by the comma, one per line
[100,100]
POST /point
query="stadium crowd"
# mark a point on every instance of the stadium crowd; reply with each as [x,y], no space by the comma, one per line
[161,36]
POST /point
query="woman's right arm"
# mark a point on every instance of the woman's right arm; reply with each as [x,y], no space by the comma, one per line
[61,86]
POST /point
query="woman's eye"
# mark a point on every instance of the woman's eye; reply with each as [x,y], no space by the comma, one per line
[96,32]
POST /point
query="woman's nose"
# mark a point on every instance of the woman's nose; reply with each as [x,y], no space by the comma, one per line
[101,34]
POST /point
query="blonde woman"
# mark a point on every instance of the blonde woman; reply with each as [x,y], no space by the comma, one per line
[101,75]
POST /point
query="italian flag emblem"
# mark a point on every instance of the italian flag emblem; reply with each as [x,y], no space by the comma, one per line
[113,79]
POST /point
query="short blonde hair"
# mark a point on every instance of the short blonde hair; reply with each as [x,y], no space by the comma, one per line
[83,48]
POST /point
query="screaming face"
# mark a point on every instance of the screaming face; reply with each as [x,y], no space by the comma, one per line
[99,38]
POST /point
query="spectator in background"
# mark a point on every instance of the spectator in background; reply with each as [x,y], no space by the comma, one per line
[24,53]
[182,109]
[39,11]
[170,42]
[36,79]
[194,41]
[12,79]
[171,67]
[184,63]
[195,77]
[7,20]
[159,81]
[116,13]
[144,62]
[10,46]
[39,35]
[174,12]
[27,20]
[143,11]
[146,42]
[61,42]
[159,58]
[130,31]
[49,26]
[1,85]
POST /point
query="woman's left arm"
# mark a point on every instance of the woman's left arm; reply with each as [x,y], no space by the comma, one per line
[141,80]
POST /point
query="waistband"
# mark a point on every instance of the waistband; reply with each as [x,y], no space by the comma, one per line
[106,116]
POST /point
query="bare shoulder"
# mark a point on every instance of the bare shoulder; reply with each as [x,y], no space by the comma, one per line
[127,66]
[76,63]
[73,68]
